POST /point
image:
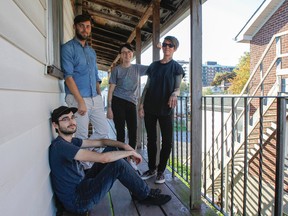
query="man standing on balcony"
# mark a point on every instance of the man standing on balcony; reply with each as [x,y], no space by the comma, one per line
[82,83]
[79,192]
[158,100]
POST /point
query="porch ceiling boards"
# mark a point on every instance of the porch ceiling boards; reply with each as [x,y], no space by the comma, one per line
[115,23]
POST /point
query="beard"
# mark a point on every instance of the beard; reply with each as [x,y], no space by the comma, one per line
[80,36]
[68,130]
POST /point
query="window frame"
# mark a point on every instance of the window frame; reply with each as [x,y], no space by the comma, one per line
[54,38]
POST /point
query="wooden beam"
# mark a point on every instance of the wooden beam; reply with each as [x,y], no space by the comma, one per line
[117,7]
[78,7]
[143,20]
[138,61]
[156,29]
[196,107]
[104,18]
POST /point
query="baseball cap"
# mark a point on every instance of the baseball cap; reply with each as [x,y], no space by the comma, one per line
[61,111]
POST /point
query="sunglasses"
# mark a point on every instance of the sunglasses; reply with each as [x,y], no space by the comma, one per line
[169,45]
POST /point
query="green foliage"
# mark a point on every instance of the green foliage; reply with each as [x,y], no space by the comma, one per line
[207,91]
[178,168]
[104,83]
[222,76]
[242,74]
[184,88]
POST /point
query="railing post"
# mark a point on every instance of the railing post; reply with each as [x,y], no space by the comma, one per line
[222,153]
[205,146]
[246,125]
[280,151]
[232,155]
[213,151]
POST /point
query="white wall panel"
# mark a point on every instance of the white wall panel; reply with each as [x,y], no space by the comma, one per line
[22,111]
[43,2]
[27,98]
[27,171]
[22,72]
[22,33]
[35,12]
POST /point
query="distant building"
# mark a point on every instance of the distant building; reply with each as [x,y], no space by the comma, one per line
[210,69]
[185,66]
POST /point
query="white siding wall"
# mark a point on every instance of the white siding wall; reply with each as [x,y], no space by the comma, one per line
[27,97]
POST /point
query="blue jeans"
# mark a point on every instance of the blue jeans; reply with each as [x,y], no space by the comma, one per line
[99,180]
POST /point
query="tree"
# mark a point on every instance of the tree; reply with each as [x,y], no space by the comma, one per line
[104,83]
[207,91]
[242,74]
[184,88]
[222,76]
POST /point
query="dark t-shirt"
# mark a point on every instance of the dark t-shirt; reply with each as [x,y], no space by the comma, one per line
[66,173]
[162,84]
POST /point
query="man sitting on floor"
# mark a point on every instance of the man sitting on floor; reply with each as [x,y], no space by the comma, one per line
[79,192]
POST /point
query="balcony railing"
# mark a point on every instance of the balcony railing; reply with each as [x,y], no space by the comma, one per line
[243,166]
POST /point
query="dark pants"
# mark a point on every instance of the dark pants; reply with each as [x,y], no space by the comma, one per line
[99,180]
[166,128]
[125,112]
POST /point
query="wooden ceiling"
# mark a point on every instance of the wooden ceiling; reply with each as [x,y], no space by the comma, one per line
[115,23]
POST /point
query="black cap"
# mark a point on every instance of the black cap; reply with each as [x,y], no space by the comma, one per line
[61,111]
[82,18]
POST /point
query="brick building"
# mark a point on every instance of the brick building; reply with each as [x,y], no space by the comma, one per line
[267,33]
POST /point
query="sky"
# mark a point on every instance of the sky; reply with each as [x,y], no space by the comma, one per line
[222,20]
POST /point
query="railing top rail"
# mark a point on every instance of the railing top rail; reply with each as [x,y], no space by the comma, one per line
[242,96]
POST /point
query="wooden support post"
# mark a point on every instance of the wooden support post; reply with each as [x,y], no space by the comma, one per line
[156,55]
[78,7]
[138,61]
[156,29]
[196,108]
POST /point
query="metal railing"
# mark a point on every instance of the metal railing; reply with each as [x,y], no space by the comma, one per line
[243,174]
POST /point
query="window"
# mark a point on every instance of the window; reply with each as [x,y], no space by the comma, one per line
[54,38]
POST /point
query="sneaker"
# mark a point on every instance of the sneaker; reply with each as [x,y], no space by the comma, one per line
[152,191]
[160,178]
[156,198]
[148,174]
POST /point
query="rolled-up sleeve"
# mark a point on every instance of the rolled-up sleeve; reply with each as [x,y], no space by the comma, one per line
[67,61]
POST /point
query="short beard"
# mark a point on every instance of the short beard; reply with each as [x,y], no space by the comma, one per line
[66,132]
[80,37]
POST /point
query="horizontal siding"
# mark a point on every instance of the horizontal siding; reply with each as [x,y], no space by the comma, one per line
[43,2]
[27,98]
[35,109]
[27,172]
[35,12]
[22,72]
[20,31]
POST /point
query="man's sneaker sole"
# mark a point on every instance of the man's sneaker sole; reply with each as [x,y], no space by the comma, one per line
[160,181]
[161,200]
